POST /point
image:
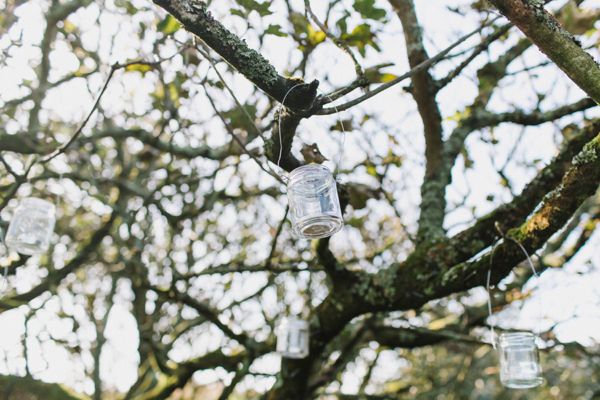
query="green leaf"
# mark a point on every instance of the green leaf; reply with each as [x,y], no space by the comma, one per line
[374,74]
[367,9]
[300,23]
[459,115]
[275,30]
[360,38]
[371,170]
[315,37]
[239,13]
[392,159]
[168,25]
[342,24]
[253,5]
[468,161]
[346,124]
[143,68]
[174,91]
[238,119]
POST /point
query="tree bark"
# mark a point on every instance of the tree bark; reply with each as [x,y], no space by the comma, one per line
[554,41]
[433,199]
[194,17]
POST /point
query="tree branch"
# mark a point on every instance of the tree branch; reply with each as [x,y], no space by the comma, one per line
[58,275]
[195,17]
[433,200]
[471,241]
[579,183]
[554,41]
[421,67]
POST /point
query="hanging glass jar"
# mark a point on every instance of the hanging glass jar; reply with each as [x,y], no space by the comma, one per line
[519,360]
[31,226]
[315,208]
[292,337]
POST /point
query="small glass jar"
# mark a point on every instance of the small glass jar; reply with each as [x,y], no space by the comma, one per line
[292,337]
[315,208]
[519,360]
[31,226]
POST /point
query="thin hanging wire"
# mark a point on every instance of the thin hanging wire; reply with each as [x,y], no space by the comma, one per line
[4,285]
[279,120]
[339,163]
[487,287]
[537,277]
[339,119]
[58,192]
[27,171]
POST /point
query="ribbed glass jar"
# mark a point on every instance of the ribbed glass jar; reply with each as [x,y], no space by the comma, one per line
[315,208]
[31,226]
[292,338]
[519,360]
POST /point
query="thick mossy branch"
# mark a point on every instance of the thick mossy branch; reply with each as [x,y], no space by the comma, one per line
[183,372]
[421,278]
[554,41]
[408,338]
[336,271]
[25,388]
[22,143]
[579,183]
[194,17]
[423,89]
[54,278]
[433,200]
[471,241]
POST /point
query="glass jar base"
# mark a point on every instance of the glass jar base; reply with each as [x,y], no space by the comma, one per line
[295,356]
[317,227]
[28,249]
[522,383]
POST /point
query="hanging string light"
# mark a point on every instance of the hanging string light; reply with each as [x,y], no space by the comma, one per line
[4,284]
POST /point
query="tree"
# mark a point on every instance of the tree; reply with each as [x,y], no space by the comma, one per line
[159,129]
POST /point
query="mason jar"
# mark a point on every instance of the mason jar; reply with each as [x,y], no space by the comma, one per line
[31,226]
[519,360]
[315,209]
[292,338]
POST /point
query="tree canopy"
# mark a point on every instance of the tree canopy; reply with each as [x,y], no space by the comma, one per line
[460,133]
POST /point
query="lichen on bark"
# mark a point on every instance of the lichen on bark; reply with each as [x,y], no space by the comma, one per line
[197,19]
[552,39]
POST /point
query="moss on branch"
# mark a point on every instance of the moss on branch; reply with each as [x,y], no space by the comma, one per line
[553,40]
[27,388]
[195,17]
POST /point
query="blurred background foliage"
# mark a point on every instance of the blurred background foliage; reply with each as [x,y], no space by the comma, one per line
[172,257]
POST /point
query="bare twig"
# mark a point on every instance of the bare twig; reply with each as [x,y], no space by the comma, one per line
[345,48]
[206,54]
[478,50]
[238,140]
[423,66]
[113,69]
[274,244]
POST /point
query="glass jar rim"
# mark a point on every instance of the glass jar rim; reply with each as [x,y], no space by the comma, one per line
[315,170]
[517,336]
[293,321]
[37,202]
